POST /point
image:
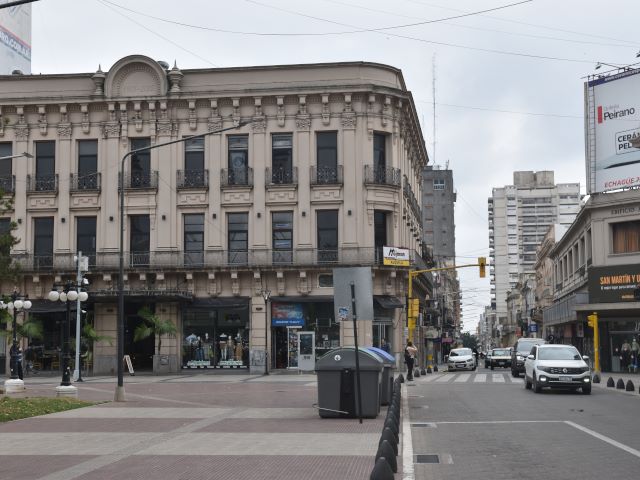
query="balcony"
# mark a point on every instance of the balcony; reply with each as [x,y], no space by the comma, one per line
[236,177]
[211,259]
[42,183]
[281,176]
[192,179]
[382,176]
[327,175]
[87,182]
[8,184]
[141,180]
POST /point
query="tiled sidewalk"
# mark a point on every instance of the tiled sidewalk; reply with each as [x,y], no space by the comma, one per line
[190,427]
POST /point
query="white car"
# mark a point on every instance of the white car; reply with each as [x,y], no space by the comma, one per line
[556,366]
[461,359]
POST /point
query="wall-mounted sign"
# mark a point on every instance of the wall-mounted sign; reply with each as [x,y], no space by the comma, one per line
[398,257]
[613,284]
[287,314]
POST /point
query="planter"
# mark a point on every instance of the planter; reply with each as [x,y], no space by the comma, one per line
[165,364]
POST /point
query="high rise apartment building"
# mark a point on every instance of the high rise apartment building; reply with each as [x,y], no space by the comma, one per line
[519,217]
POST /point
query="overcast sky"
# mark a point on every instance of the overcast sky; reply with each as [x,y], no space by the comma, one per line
[509,82]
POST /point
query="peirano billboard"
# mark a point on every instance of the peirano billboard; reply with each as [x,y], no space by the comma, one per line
[15,39]
[612,108]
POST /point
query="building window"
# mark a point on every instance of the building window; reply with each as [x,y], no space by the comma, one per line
[140,164]
[379,233]
[325,280]
[626,237]
[438,183]
[282,158]
[43,242]
[238,237]
[238,160]
[6,168]
[282,236]
[45,166]
[379,158]
[86,237]
[327,158]
[194,172]
[327,226]
[139,240]
[193,239]
[87,165]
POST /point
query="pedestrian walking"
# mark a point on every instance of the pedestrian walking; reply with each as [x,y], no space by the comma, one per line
[410,353]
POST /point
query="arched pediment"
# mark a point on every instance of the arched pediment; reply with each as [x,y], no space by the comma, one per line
[136,76]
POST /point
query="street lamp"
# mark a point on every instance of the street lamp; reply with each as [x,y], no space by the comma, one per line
[18,155]
[119,394]
[266,294]
[70,293]
[15,383]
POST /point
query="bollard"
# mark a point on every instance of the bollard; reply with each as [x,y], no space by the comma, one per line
[610,383]
[435,368]
[385,450]
[400,378]
[620,384]
[630,386]
[388,435]
[394,413]
[416,372]
[429,370]
[596,378]
[382,470]
[391,424]
[423,371]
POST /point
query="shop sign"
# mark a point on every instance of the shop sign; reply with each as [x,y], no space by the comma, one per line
[613,284]
[533,327]
[398,257]
[447,340]
[431,333]
[287,314]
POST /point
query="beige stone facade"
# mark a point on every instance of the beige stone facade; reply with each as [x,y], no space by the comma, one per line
[364,108]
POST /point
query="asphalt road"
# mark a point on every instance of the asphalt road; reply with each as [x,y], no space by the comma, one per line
[484,425]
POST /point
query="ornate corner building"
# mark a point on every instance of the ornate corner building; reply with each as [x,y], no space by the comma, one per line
[326,173]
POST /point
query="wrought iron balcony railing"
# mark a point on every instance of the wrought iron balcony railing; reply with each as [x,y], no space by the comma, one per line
[91,181]
[192,179]
[236,177]
[208,259]
[141,180]
[8,184]
[42,183]
[281,176]
[326,175]
[382,176]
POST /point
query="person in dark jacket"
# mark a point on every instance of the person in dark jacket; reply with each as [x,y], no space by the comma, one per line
[410,353]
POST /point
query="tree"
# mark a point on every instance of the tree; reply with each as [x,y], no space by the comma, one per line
[469,341]
[153,325]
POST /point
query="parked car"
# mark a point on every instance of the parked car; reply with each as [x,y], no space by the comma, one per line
[487,359]
[521,349]
[557,366]
[500,357]
[461,359]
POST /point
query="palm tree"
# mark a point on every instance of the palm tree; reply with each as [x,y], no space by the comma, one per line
[153,325]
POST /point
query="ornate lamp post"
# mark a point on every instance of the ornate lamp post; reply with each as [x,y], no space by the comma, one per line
[15,383]
[266,294]
[70,293]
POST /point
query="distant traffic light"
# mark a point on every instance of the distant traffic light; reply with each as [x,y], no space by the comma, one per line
[482,263]
[592,320]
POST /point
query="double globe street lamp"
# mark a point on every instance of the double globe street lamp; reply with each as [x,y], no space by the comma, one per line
[15,383]
[71,292]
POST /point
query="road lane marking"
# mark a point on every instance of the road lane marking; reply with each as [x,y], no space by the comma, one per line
[497,378]
[482,422]
[407,441]
[463,378]
[608,440]
[430,378]
[445,378]
[480,377]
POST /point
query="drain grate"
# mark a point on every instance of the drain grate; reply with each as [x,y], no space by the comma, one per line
[424,425]
[427,459]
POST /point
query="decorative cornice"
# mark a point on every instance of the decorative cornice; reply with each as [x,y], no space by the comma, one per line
[64,131]
[303,122]
[21,131]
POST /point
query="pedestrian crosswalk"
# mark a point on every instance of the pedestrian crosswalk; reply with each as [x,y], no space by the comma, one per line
[457,377]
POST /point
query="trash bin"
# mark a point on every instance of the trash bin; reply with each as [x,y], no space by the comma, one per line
[337,394]
[389,364]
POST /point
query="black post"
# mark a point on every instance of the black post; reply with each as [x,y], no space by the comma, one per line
[14,347]
[266,332]
[355,338]
[79,379]
[66,375]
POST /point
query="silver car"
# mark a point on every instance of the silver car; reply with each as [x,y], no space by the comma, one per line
[461,359]
[557,366]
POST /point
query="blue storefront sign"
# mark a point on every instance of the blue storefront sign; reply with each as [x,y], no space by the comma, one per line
[287,315]
[533,327]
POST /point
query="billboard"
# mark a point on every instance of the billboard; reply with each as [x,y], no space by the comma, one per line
[15,39]
[396,256]
[612,107]
[613,284]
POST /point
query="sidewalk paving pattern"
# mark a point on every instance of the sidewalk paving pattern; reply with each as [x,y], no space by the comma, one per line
[190,427]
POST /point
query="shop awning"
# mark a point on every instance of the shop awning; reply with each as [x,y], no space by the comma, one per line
[304,299]
[218,302]
[388,301]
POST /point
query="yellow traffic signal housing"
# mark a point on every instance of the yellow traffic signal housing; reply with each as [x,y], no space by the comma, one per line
[592,320]
[482,263]
[414,308]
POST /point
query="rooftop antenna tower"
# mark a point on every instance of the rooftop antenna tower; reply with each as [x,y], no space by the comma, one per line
[433,90]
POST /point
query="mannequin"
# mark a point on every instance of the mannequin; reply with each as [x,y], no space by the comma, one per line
[207,347]
[230,346]
[223,347]
[238,355]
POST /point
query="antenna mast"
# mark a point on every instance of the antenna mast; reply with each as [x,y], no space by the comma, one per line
[433,89]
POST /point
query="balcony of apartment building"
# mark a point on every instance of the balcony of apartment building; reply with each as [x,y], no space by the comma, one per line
[85,183]
[326,175]
[42,184]
[377,175]
[176,260]
[192,179]
[231,178]
[8,184]
[140,180]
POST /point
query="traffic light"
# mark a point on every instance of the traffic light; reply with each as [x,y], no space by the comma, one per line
[482,263]
[592,320]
